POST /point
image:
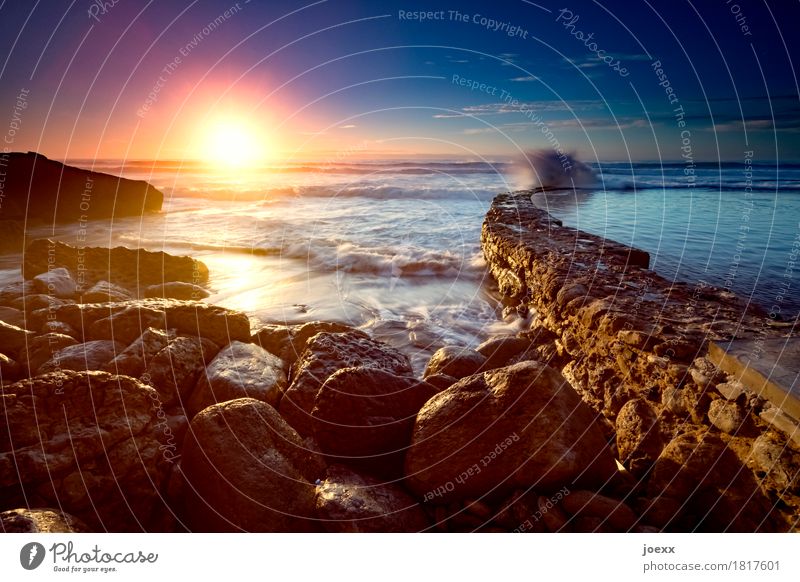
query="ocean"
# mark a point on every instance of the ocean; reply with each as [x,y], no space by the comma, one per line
[393,246]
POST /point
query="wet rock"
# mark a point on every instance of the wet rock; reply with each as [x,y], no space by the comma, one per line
[726,416]
[57,282]
[441,381]
[348,502]
[129,268]
[325,354]
[771,456]
[126,321]
[43,348]
[302,334]
[365,415]
[455,361]
[13,338]
[733,390]
[93,355]
[40,520]
[239,370]
[16,290]
[31,303]
[470,439]
[248,470]
[639,440]
[105,292]
[134,359]
[13,316]
[87,442]
[177,290]
[176,368]
[9,369]
[499,351]
[614,514]
[61,328]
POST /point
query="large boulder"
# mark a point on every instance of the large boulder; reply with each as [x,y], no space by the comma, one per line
[57,282]
[43,348]
[177,290]
[348,502]
[175,369]
[37,188]
[127,321]
[12,338]
[129,268]
[639,440]
[366,416]
[13,316]
[516,427]
[94,355]
[325,354]
[247,470]
[239,370]
[134,359]
[105,292]
[88,443]
[40,520]
[499,351]
[455,361]
[289,341]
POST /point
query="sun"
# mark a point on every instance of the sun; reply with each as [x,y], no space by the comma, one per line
[233,143]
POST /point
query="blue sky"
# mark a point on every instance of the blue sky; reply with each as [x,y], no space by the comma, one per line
[320,77]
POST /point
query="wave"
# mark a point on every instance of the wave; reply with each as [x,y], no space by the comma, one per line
[376,192]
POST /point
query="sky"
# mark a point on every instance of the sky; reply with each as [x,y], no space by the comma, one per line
[273,80]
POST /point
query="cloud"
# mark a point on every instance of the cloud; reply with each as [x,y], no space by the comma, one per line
[527,79]
[348,126]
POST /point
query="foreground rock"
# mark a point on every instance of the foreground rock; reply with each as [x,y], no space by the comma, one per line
[289,341]
[366,416]
[125,322]
[325,354]
[176,368]
[515,427]
[240,370]
[247,470]
[88,442]
[94,355]
[455,361]
[64,193]
[40,521]
[129,268]
[348,502]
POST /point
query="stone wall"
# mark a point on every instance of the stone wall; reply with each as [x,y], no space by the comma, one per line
[633,345]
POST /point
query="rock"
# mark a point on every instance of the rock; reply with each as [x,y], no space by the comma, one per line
[88,443]
[9,370]
[40,520]
[731,390]
[31,303]
[498,351]
[771,456]
[673,401]
[639,440]
[662,512]
[301,335]
[13,338]
[177,290]
[773,416]
[348,502]
[516,427]
[366,415]
[61,328]
[455,361]
[66,193]
[129,268]
[248,470]
[273,338]
[717,492]
[176,368]
[239,370]
[726,416]
[614,515]
[43,348]
[551,515]
[325,354]
[134,359]
[16,290]
[704,372]
[94,355]
[441,381]
[13,316]
[57,282]
[126,321]
[105,292]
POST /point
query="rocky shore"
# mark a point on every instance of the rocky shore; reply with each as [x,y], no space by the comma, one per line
[130,404]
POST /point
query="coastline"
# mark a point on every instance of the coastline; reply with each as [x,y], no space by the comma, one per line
[617,353]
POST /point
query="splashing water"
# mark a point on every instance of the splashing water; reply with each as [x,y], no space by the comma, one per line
[549,170]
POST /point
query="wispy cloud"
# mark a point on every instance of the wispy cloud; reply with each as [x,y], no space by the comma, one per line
[526,79]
